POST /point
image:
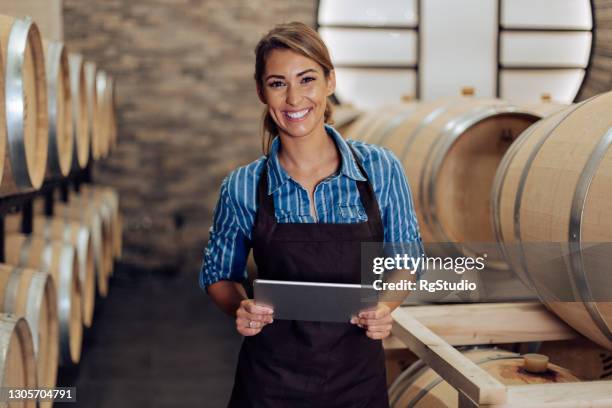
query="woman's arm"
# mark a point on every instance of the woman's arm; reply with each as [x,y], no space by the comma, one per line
[227,295]
[225,256]
[224,267]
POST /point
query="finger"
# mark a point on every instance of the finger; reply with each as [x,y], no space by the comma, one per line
[379,328]
[253,316]
[242,322]
[377,335]
[383,320]
[377,313]
[254,308]
[245,331]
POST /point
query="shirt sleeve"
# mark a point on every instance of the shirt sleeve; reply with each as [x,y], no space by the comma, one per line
[228,247]
[399,218]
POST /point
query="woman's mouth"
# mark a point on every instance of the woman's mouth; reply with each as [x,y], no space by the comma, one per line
[297,116]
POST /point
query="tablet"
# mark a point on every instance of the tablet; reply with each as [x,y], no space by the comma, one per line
[314,301]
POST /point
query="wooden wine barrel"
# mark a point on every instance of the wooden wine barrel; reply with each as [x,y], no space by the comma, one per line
[103,93]
[25,106]
[102,247]
[551,195]
[75,234]
[581,356]
[450,149]
[80,120]
[95,203]
[343,116]
[31,294]
[61,137]
[109,198]
[60,261]
[93,109]
[420,386]
[112,113]
[17,362]
[374,126]
[545,107]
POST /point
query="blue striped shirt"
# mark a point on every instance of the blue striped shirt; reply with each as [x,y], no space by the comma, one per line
[336,200]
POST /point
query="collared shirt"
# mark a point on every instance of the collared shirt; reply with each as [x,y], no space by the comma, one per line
[336,200]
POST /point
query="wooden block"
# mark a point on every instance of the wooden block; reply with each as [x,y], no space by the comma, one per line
[459,371]
[47,14]
[490,323]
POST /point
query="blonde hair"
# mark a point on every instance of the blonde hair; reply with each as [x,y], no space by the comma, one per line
[302,39]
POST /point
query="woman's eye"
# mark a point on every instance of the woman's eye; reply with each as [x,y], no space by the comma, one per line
[276,84]
[308,79]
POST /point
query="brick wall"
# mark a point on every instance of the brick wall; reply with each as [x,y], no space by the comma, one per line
[188,112]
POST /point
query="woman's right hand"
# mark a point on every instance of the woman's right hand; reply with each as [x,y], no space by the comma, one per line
[251,318]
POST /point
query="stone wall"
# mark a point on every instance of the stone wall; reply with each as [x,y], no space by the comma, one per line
[599,77]
[187,107]
[188,112]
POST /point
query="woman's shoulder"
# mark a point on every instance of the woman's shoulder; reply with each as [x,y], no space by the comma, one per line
[374,157]
[241,183]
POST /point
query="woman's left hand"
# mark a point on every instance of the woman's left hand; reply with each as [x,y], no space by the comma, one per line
[377,322]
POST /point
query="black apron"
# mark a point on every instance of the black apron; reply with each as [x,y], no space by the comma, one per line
[311,364]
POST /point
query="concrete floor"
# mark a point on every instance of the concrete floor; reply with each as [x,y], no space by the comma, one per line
[156,341]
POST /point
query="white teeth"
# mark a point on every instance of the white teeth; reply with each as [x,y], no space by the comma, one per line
[297,115]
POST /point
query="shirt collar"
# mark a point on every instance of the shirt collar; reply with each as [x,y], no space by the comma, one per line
[277,176]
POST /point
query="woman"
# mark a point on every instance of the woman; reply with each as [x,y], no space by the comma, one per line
[304,208]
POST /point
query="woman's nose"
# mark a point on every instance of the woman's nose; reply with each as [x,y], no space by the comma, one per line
[293,96]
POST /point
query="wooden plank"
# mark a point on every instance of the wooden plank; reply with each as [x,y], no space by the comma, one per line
[460,372]
[491,323]
[47,14]
[565,395]
[465,401]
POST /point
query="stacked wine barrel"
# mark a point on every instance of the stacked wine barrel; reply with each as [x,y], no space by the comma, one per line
[57,115]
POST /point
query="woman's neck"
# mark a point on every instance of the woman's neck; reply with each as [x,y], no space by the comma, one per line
[307,153]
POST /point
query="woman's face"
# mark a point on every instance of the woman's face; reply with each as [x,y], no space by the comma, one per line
[295,89]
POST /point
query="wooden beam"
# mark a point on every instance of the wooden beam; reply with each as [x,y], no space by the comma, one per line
[560,395]
[490,323]
[459,371]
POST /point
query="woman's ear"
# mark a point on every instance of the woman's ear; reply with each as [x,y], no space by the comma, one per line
[260,93]
[331,82]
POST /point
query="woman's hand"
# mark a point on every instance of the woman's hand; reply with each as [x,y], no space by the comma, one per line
[377,322]
[251,318]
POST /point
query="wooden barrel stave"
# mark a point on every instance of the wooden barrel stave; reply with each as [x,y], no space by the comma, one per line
[104,107]
[60,261]
[17,363]
[80,120]
[437,143]
[76,234]
[90,218]
[556,188]
[31,294]
[25,86]
[93,109]
[61,137]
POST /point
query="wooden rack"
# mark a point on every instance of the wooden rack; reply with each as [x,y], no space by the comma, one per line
[23,201]
[430,332]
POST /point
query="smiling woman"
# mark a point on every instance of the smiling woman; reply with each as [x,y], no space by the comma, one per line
[304,208]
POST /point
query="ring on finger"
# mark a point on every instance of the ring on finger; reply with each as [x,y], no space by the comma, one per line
[251,324]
